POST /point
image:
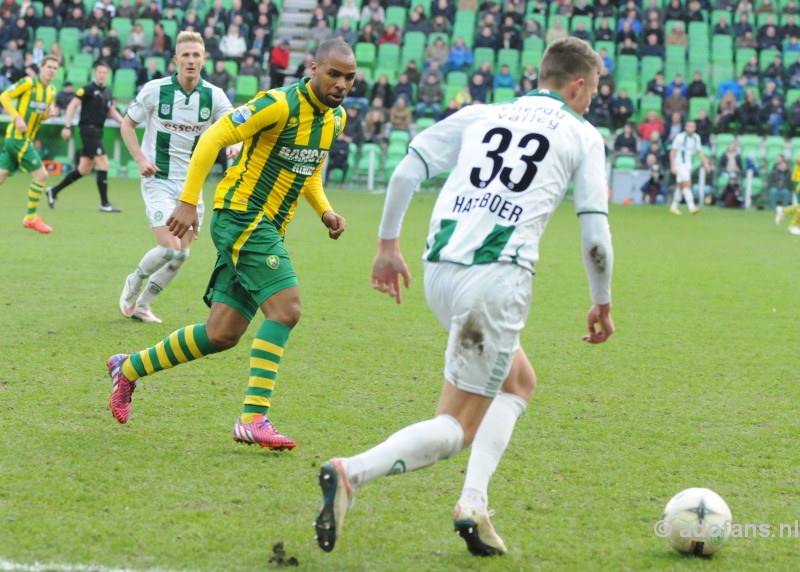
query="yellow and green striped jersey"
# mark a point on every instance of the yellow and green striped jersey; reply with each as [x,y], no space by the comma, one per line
[287,133]
[33,101]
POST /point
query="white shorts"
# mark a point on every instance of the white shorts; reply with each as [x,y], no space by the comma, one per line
[160,199]
[484,308]
[683,173]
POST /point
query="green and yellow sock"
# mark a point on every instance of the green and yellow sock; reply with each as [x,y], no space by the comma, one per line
[34,194]
[265,355]
[187,344]
[795,211]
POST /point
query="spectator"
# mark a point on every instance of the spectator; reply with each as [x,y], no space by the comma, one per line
[338,156]
[604,8]
[698,87]
[222,78]
[375,122]
[675,11]
[137,39]
[391,35]
[349,11]
[400,116]
[148,73]
[9,73]
[792,46]
[478,89]
[677,37]
[73,20]
[765,7]
[790,29]
[259,45]
[413,72]
[621,109]
[600,108]
[780,184]
[430,97]
[91,42]
[440,25]
[161,45]
[129,60]
[556,32]
[747,40]
[790,7]
[731,196]
[510,41]
[749,113]
[606,79]
[371,10]
[654,189]
[486,38]
[742,25]
[581,32]
[532,29]
[367,34]
[38,53]
[151,12]
[48,18]
[403,89]
[126,10]
[383,90]
[775,72]
[736,87]
[726,113]
[651,124]
[106,57]
[722,27]
[504,79]
[330,9]
[603,32]
[676,103]
[417,23]
[99,19]
[651,47]
[675,125]
[279,63]
[250,67]
[437,52]
[752,71]
[346,32]
[676,85]
[317,17]
[730,162]
[775,114]
[233,46]
[794,118]
[770,91]
[694,11]
[112,42]
[628,48]
[626,142]
[353,128]
[211,43]
[654,27]
[318,34]
[704,127]
[657,86]
[770,40]
[631,22]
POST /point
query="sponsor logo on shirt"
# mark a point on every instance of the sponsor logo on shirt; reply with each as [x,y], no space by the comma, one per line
[165,108]
[205,113]
[273,261]
[177,128]
[241,114]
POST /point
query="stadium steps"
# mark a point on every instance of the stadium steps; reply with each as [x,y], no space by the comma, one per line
[293,26]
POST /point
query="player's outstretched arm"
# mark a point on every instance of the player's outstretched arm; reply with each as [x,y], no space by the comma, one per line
[128,131]
[388,267]
[72,108]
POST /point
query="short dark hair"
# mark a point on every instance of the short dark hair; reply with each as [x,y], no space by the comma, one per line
[328,47]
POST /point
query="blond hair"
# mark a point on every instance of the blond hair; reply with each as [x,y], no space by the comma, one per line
[566,60]
[187,36]
[50,58]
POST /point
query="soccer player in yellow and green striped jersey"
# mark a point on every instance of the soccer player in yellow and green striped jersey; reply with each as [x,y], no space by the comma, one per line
[287,133]
[794,210]
[34,103]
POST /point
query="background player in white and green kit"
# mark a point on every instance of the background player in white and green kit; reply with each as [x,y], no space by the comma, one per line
[177,110]
[511,165]
[685,146]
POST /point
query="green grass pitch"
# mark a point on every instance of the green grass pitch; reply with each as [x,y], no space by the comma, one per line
[698,387]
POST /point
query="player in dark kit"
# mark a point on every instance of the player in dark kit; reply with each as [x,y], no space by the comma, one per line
[96,104]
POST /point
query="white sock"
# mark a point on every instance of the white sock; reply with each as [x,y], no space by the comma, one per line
[162,277]
[488,447]
[689,198]
[149,264]
[415,447]
[676,198]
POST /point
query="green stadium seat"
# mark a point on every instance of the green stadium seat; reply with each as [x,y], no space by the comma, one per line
[78,76]
[650,103]
[370,153]
[721,142]
[70,41]
[504,94]
[395,15]
[170,28]
[457,78]
[47,34]
[399,137]
[534,43]
[481,55]
[113,168]
[148,26]
[698,103]
[246,88]
[132,170]
[124,85]
[388,56]
[161,63]
[365,54]
[82,61]
[123,26]
[426,4]
[625,163]
[721,48]
[424,122]
[511,59]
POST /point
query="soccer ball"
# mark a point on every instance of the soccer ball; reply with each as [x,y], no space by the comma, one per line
[696,521]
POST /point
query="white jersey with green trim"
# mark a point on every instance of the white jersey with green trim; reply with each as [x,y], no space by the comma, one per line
[512,164]
[685,147]
[175,120]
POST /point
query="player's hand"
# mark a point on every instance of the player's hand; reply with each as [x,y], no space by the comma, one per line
[335,223]
[53,111]
[387,268]
[599,324]
[146,167]
[66,133]
[182,219]
[233,151]
[20,124]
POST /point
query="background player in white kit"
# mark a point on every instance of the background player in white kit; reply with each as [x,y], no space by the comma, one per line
[685,145]
[177,110]
[482,245]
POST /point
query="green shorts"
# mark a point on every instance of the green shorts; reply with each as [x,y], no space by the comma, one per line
[19,154]
[252,263]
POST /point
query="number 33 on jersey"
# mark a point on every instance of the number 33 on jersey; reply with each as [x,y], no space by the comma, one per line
[512,164]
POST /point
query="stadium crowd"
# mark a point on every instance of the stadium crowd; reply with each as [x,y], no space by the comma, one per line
[731,66]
